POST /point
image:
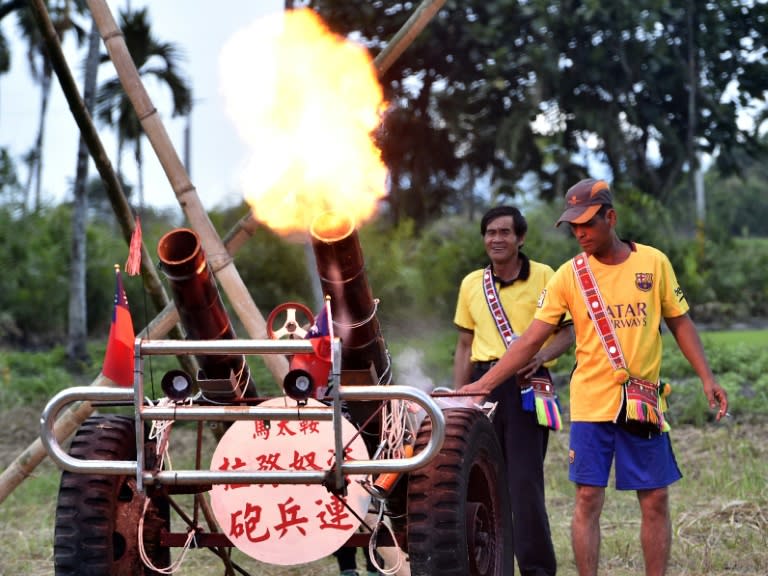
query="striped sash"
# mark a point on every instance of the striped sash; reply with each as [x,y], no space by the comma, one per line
[538,394]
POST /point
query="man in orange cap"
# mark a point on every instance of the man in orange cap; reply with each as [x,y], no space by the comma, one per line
[617,293]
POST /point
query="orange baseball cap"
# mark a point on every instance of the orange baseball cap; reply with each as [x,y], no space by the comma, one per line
[584,199]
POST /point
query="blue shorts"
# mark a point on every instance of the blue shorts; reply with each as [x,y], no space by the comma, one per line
[641,463]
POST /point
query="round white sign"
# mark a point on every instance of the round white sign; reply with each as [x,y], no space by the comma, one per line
[286,524]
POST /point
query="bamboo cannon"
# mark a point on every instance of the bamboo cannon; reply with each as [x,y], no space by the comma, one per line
[226,377]
[220,254]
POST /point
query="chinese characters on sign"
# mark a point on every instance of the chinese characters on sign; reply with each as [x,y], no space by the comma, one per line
[275,523]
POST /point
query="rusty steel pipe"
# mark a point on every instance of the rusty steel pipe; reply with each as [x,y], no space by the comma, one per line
[202,313]
[341,268]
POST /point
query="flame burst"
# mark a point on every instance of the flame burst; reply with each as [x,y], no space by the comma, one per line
[305,101]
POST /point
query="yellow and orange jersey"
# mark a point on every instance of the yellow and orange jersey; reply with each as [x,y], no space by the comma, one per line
[519,300]
[637,293]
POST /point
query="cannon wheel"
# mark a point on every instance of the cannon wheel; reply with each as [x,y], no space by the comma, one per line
[97,516]
[459,519]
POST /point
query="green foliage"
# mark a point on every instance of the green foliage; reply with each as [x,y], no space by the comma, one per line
[34,258]
[544,242]
[736,206]
[618,75]
[446,252]
[30,378]
[10,190]
[723,282]
[636,211]
[33,286]
[388,254]
[740,366]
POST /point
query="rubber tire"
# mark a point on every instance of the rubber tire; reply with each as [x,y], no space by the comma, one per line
[97,516]
[466,480]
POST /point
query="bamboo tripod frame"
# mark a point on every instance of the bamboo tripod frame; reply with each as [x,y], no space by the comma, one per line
[219,252]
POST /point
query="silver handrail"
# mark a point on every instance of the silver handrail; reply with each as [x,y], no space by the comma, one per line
[232,413]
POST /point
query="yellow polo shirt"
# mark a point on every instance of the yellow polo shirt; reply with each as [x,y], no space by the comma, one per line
[638,293]
[519,300]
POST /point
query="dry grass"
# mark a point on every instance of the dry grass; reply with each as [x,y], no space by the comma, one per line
[720,511]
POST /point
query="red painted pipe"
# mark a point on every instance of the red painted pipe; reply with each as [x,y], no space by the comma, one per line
[202,312]
[341,267]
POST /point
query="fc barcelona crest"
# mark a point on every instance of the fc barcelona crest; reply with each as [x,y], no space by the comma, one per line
[644,281]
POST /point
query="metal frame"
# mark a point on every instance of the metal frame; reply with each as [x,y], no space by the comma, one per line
[334,477]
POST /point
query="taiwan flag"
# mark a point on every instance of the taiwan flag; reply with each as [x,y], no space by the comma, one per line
[118,360]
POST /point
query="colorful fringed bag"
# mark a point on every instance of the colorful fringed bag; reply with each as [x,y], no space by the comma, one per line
[641,410]
[546,404]
[538,393]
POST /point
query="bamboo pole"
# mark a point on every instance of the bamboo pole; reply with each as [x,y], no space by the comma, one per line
[167,319]
[71,419]
[152,283]
[407,34]
[85,124]
[221,261]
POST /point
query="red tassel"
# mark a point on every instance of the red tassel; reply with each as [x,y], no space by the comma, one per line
[133,264]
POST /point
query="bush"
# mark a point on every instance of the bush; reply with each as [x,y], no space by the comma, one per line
[740,367]
[30,378]
[33,285]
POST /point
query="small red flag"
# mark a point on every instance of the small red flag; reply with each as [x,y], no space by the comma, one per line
[118,360]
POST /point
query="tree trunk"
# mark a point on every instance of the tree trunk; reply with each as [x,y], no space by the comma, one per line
[78,306]
[30,162]
[691,133]
[45,93]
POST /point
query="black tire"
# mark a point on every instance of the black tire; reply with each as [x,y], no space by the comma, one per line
[459,518]
[97,516]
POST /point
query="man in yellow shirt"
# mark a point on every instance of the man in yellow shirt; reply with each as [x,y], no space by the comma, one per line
[515,282]
[638,288]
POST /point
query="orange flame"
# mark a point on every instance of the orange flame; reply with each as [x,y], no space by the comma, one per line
[305,101]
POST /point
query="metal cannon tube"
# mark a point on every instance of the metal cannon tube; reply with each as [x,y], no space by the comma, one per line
[202,313]
[341,268]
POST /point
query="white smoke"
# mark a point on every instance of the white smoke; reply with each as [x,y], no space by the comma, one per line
[410,372]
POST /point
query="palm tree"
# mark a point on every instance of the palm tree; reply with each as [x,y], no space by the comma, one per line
[152,58]
[40,67]
[78,306]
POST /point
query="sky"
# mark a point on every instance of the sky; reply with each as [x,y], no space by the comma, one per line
[216,152]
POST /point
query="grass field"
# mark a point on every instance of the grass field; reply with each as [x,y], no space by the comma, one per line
[719,508]
[720,513]
[730,337]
